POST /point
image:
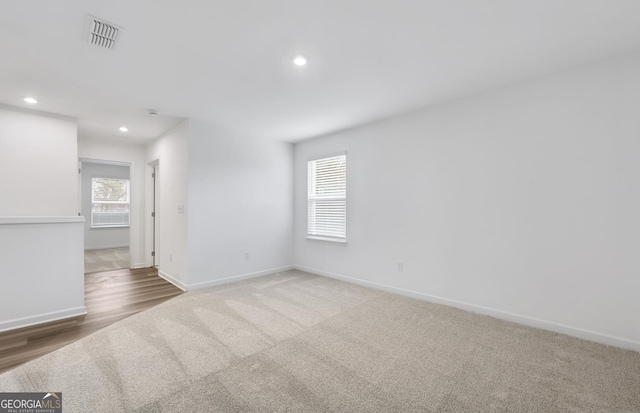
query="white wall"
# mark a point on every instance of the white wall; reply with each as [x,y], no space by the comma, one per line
[101,237]
[240,201]
[41,263]
[135,155]
[38,164]
[42,269]
[171,150]
[522,203]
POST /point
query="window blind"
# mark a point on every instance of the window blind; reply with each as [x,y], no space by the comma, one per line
[327,197]
[109,202]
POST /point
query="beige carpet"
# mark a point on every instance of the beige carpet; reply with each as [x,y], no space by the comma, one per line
[301,343]
[106,259]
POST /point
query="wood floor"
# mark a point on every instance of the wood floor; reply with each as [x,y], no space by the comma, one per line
[109,297]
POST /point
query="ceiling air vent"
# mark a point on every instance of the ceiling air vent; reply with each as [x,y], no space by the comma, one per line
[101,33]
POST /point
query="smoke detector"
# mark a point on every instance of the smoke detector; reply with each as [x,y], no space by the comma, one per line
[101,33]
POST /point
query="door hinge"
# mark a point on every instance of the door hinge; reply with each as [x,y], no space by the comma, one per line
[79,170]
[153,215]
[153,175]
[153,253]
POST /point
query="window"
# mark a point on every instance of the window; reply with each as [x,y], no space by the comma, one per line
[327,198]
[109,202]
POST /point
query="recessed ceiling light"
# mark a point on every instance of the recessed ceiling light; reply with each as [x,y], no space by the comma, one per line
[124,129]
[300,60]
[30,100]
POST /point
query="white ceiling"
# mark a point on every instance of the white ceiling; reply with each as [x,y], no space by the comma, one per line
[229,61]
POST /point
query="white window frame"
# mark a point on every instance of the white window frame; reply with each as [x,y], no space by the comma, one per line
[127,202]
[312,199]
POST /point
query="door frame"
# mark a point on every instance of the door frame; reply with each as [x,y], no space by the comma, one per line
[152,227]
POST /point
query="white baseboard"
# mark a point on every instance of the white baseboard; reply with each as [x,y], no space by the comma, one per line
[106,247]
[42,318]
[173,280]
[214,283]
[503,315]
[139,265]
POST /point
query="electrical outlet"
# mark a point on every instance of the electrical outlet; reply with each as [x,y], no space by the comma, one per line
[247,256]
[170,257]
[400,266]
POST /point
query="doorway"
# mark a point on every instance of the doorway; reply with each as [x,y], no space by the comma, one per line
[155,177]
[105,202]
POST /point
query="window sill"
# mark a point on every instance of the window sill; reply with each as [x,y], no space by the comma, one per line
[327,239]
[110,226]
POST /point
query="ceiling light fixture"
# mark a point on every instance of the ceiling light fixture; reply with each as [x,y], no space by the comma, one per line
[300,60]
[30,100]
[124,129]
